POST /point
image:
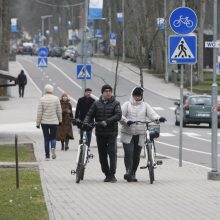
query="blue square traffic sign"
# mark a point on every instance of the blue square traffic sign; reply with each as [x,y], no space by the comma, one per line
[42,61]
[84,71]
[182,49]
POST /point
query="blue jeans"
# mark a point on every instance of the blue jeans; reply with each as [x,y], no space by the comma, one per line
[49,132]
[88,135]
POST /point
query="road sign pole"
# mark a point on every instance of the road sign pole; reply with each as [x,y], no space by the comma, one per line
[214,174]
[181,119]
[165,43]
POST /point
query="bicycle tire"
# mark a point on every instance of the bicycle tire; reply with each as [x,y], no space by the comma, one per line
[150,163]
[80,165]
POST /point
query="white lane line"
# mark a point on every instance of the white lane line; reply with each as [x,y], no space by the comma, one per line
[62,91]
[186,149]
[191,134]
[56,67]
[167,135]
[211,134]
[158,108]
[26,72]
[172,108]
[173,158]
[202,139]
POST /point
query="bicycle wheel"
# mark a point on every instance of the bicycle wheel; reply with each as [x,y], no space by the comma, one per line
[150,162]
[80,165]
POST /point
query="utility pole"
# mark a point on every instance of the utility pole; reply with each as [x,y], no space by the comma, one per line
[214,174]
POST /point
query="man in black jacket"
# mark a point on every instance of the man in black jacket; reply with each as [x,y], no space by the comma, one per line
[22,81]
[107,112]
[83,105]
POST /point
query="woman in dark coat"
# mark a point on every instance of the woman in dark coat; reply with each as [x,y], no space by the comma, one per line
[65,131]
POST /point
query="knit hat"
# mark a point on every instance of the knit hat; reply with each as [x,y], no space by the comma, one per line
[48,88]
[138,91]
[106,87]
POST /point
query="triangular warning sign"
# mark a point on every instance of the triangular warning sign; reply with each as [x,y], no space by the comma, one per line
[84,73]
[182,51]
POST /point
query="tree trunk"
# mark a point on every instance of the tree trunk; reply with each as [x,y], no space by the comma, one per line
[4,40]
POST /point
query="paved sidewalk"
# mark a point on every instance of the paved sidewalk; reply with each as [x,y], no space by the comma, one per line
[178,193]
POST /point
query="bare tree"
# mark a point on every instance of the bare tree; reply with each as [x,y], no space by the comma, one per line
[4,39]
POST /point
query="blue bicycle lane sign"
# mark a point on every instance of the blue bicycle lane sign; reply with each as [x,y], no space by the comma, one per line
[183,20]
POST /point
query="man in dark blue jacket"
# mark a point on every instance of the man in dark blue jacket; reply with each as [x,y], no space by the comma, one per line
[107,112]
[83,105]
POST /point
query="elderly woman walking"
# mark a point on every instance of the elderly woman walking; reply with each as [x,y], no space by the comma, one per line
[65,131]
[49,116]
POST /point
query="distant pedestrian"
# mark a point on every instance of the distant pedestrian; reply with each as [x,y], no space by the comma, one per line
[83,105]
[132,134]
[107,112]
[49,116]
[22,81]
[65,131]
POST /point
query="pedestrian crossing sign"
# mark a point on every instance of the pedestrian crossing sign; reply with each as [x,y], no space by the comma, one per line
[42,61]
[84,71]
[182,49]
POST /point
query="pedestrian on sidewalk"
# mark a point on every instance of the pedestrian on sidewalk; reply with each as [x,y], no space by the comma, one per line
[107,112]
[22,81]
[49,116]
[83,105]
[65,131]
[132,134]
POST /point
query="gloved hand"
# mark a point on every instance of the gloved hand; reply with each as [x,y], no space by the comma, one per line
[103,123]
[162,119]
[129,123]
[60,123]
[85,126]
[38,126]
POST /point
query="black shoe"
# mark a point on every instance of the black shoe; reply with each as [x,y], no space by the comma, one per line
[134,179]
[128,177]
[107,179]
[66,148]
[113,179]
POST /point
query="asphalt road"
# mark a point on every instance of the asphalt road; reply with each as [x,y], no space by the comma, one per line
[62,75]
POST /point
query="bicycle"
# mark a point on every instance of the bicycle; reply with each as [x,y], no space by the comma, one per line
[83,154]
[181,20]
[152,132]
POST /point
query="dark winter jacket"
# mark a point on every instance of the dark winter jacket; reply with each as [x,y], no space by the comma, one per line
[83,106]
[22,79]
[109,111]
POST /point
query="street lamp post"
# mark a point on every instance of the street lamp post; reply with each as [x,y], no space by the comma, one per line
[123,31]
[214,174]
[165,42]
[42,26]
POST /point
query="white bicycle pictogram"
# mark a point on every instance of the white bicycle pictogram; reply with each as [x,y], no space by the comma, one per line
[181,20]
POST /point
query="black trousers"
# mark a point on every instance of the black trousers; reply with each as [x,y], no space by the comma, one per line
[21,90]
[107,149]
[132,154]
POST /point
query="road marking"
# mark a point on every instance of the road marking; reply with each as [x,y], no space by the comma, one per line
[158,108]
[211,134]
[172,108]
[191,134]
[186,149]
[167,135]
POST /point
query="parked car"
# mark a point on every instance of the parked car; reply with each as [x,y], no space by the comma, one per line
[68,51]
[196,110]
[73,55]
[55,52]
